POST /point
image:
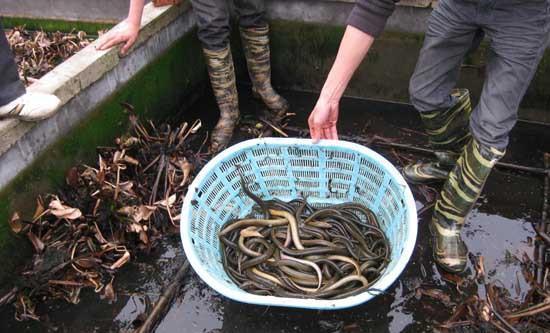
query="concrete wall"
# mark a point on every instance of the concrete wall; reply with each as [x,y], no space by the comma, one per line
[409,16]
[72,10]
[386,71]
[304,53]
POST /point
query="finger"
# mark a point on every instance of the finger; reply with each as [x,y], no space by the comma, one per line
[312,129]
[127,46]
[105,44]
[326,133]
[111,42]
[310,120]
[103,40]
[315,134]
[334,133]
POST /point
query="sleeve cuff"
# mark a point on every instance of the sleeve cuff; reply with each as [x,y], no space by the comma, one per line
[369,21]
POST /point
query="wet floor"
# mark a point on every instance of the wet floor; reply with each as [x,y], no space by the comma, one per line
[499,228]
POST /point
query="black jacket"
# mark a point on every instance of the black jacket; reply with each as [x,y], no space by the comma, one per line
[370,16]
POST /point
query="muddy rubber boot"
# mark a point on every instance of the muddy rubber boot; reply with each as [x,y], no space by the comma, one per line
[458,196]
[222,79]
[256,49]
[448,132]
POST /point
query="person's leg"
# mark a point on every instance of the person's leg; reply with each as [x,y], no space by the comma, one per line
[517,32]
[212,23]
[254,31]
[11,86]
[518,37]
[445,112]
[213,32]
[251,13]
[14,102]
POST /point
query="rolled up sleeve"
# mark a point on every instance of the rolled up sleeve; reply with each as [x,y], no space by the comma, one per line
[370,16]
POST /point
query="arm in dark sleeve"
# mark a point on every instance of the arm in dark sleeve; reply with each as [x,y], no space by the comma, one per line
[370,16]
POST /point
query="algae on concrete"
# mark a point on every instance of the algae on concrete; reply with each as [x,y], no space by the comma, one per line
[303,53]
[91,28]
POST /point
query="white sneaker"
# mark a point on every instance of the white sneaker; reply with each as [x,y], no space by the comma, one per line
[32,106]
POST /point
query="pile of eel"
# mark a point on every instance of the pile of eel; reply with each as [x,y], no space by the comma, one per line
[296,250]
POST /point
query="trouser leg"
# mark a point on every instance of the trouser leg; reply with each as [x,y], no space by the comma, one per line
[451,34]
[11,86]
[518,35]
[251,13]
[212,22]
[444,111]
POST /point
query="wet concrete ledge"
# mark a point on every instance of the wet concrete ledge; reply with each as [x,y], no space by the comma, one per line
[84,81]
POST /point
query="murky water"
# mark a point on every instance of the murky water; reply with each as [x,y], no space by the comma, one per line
[498,228]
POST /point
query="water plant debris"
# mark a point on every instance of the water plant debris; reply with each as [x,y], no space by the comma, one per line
[38,52]
[106,214]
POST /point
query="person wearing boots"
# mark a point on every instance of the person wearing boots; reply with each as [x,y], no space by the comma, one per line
[15,102]
[468,142]
[213,32]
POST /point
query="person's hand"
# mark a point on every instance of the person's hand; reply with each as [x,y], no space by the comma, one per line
[322,120]
[125,32]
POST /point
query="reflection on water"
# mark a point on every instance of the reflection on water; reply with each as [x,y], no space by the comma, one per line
[199,310]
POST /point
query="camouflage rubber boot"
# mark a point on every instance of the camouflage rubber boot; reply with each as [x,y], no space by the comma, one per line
[457,198]
[256,49]
[222,79]
[448,132]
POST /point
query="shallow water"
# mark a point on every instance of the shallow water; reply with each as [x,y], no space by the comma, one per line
[499,229]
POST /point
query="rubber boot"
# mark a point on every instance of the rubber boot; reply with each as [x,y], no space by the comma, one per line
[448,132]
[459,194]
[222,79]
[256,49]
[31,106]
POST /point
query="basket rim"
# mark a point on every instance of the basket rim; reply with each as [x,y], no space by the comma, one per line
[382,284]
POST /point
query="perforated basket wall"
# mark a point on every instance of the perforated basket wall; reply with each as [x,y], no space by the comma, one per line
[328,172]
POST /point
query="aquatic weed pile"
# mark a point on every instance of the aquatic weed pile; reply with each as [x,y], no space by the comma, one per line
[106,213]
[38,52]
[296,250]
[487,306]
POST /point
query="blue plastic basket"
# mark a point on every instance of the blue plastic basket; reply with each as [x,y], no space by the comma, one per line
[328,172]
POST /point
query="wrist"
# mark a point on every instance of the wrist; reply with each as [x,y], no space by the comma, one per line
[329,97]
[133,22]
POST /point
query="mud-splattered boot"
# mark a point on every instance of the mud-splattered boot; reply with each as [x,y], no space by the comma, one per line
[448,132]
[222,79]
[457,198]
[256,49]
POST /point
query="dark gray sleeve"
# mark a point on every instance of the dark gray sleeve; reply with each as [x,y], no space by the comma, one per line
[370,16]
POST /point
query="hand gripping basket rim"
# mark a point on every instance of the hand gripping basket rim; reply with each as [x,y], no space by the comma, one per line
[381,285]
